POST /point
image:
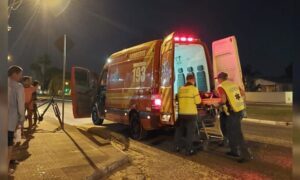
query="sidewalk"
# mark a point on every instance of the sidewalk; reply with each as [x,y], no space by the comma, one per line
[50,153]
[268,104]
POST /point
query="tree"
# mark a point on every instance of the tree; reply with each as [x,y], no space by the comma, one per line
[40,68]
[289,71]
[249,75]
[55,82]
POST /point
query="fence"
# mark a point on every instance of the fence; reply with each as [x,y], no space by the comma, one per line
[270,97]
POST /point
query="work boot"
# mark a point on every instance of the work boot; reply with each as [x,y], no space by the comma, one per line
[246,156]
[190,152]
[177,149]
[14,162]
[243,159]
[233,154]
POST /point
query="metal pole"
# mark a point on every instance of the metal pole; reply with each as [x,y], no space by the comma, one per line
[64,80]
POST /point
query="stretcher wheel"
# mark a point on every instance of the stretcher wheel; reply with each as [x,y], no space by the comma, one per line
[205,145]
[41,118]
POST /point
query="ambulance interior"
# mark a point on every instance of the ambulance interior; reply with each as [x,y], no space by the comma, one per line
[191,59]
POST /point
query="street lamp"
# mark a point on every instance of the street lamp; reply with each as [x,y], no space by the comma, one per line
[57,7]
[9,58]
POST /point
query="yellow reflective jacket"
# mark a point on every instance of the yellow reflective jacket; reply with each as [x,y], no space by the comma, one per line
[234,96]
[188,97]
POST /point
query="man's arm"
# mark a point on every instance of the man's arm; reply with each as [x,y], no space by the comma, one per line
[222,95]
[197,98]
[242,92]
[21,103]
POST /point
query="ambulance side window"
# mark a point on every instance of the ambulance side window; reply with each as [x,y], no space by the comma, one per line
[104,78]
[82,78]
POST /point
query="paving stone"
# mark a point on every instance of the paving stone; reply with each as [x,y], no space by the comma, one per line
[58,155]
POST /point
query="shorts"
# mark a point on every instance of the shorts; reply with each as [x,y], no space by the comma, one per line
[11,135]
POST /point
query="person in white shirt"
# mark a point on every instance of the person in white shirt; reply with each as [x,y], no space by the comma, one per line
[16,105]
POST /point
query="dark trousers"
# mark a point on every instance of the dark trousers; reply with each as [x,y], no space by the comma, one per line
[35,115]
[235,135]
[223,122]
[185,130]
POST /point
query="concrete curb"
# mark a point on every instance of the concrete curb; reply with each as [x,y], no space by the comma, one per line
[268,122]
[105,171]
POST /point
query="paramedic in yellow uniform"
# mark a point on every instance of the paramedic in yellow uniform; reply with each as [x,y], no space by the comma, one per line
[188,99]
[233,98]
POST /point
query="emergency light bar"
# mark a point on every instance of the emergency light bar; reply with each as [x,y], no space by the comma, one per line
[184,39]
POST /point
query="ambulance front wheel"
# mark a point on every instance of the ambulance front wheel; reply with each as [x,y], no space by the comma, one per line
[137,132]
[96,119]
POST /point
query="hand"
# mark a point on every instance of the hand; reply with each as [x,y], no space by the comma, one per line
[216,105]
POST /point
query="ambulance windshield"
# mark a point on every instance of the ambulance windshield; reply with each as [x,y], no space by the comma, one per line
[191,59]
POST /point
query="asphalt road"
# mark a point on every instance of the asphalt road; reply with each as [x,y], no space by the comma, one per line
[271,146]
[277,135]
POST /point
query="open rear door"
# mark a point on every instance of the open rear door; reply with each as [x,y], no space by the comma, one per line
[167,80]
[226,59]
[82,91]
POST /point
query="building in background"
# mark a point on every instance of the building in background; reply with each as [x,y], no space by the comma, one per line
[273,84]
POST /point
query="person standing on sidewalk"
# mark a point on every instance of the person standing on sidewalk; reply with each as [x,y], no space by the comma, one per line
[233,98]
[188,98]
[35,84]
[16,106]
[28,90]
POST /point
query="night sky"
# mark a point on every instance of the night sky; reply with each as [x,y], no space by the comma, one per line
[264,29]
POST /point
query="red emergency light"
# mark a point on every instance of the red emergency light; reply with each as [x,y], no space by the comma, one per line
[156,101]
[184,39]
[190,39]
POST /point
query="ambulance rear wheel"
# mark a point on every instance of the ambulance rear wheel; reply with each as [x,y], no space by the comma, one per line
[96,119]
[137,132]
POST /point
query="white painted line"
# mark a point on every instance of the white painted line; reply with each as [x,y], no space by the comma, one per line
[269,122]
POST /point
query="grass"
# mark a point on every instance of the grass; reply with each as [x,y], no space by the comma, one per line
[270,112]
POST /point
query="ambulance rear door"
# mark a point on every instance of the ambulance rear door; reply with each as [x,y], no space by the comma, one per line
[226,59]
[83,91]
[166,80]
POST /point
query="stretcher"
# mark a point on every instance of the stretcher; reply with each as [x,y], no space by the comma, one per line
[209,125]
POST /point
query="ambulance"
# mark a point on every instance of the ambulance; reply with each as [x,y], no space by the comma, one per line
[138,86]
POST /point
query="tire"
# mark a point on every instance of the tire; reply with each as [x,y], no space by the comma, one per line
[137,132]
[96,119]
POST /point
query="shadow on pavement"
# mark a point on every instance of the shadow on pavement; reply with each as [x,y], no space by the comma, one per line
[89,160]
[94,140]
[20,150]
[117,134]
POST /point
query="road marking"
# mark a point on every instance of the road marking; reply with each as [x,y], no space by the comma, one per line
[269,122]
[269,140]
